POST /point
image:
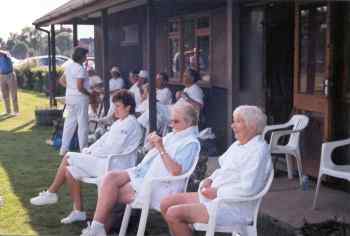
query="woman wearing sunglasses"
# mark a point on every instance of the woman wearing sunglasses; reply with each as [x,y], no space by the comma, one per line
[171,156]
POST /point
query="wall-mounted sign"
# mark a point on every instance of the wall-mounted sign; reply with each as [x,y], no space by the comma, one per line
[130,35]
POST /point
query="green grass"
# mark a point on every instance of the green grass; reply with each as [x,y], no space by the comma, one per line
[27,166]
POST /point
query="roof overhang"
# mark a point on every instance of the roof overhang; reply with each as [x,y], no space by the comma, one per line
[84,11]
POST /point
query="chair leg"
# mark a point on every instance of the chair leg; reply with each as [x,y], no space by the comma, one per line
[125,221]
[143,221]
[289,166]
[210,232]
[251,231]
[300,169]
[319,180]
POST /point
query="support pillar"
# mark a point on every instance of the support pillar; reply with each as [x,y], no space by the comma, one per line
[53,64]
[151,64]
[75,34]
[233,52]
[104,53]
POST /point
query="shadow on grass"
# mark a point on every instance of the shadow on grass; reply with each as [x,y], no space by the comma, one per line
[30,166]
[5,117]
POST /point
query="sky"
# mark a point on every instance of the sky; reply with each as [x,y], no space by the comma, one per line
[17,14]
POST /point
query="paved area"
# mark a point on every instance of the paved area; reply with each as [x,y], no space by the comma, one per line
[289,204]
[286,203]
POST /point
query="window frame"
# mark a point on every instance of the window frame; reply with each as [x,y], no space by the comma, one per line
[199,32]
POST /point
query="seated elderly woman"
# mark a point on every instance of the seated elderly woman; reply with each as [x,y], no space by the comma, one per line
[244,169]
[123,137]
[172,155]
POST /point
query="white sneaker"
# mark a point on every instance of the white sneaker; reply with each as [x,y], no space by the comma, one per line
[93,231]
[44,198]
[74,216]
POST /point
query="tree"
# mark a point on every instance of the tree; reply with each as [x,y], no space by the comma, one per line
[2,43]
[19,50]
[32,42]
[64,43]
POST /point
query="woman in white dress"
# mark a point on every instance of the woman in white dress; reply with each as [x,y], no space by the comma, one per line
[75,79]
[244,169]
[124,136]
[171,156]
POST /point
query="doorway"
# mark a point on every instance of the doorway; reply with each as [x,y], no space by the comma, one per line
[313,76]
[266,58]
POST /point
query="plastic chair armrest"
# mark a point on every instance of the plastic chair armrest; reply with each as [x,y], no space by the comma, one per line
[269,128]
[170,178]
[111,157]
[328,148]
[276,135]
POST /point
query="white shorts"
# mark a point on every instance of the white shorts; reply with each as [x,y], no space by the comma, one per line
[84,165]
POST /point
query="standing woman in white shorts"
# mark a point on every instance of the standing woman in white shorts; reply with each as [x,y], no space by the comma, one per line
[75,80]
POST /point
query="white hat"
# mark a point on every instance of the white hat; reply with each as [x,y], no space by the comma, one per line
[143,74]
[115,69]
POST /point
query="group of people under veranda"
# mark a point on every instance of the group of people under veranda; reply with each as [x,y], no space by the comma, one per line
[243,170]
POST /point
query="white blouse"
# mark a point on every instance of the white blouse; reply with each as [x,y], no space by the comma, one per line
[243,172]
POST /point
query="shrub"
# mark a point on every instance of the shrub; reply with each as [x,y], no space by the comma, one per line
[33,77]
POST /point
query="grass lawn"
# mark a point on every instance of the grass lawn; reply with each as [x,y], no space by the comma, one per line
[27,166]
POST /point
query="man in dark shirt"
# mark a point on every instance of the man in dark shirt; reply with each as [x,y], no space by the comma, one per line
[8,83]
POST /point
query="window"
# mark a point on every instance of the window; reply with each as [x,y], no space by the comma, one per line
[313,29]
[189,46]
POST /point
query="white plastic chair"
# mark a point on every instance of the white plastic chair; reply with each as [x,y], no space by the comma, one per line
[244,229]
[291,149]
[145,204]
[127,160]
[328,167]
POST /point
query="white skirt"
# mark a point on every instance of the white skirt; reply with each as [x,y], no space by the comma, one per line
[226,216]
[84,165]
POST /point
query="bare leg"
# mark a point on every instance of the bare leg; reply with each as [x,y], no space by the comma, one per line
[110,192]
[60,176]
[182,209]
[74,190]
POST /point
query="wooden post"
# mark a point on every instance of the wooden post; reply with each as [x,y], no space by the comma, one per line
[151,65]
[232,63]
[75,34]
[104,54]
[53,64]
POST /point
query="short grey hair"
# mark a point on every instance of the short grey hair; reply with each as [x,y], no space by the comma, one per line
[253,116]
[188,111]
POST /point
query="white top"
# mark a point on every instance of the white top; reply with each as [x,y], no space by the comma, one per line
[164,96]
[194,92]
[123,136]
[74,71]
[95,80]
[115,84]
[243,172]
[163,119]
[182,147]
[137,93]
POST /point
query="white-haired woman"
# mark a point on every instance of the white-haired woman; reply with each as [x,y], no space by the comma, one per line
[171,156]
[243,172]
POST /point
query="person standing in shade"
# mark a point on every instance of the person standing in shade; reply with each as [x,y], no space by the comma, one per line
[76,81]
[8,83]
[163,94]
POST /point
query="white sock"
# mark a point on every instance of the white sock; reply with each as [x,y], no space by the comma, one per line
[97,225]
